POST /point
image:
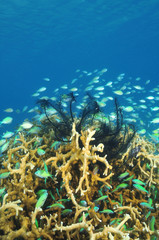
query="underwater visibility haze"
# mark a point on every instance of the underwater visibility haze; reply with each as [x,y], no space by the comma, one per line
[79,119]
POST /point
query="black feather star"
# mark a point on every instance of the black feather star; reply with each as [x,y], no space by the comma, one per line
[114,136]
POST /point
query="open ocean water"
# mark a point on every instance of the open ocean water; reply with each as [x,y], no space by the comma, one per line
[109,48]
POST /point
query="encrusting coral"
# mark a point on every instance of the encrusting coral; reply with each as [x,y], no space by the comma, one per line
[51,189]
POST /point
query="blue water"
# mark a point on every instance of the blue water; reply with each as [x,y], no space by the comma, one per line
[53,38]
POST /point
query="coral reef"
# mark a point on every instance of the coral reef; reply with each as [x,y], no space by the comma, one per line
[51,188]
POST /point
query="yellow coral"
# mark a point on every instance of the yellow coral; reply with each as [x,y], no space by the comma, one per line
[77,186]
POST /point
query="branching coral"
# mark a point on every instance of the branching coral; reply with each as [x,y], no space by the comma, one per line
[74,191]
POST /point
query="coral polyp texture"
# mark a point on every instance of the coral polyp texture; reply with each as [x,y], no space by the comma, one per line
[73,189]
